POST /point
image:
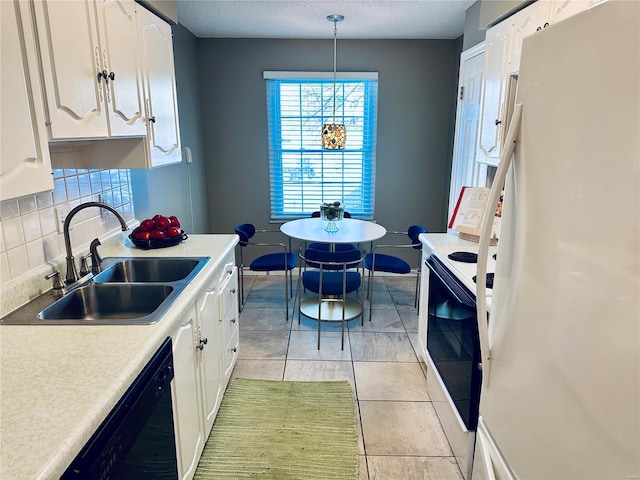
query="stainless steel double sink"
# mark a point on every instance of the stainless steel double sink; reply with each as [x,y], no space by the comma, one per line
[129,290]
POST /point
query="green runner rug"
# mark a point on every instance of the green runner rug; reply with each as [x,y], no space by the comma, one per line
[283,431]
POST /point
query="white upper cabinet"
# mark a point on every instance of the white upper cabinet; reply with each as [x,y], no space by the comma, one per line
[25,166]
[493,93]
[561,9]
[524,23]
[160,101]
[503,46]
[118,27]
[89,60]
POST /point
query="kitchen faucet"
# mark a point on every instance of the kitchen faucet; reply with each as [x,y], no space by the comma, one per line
[72,273]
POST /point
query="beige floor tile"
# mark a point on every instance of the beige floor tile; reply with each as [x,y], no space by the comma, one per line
[381,321]
[263,319]
[402,428]
[413,468]
[318,370]
[390,381]
[260,344]
[304,346]
[259,369]
[381,347]
[363,473]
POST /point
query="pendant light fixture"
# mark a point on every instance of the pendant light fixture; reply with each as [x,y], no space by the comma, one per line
[334,135]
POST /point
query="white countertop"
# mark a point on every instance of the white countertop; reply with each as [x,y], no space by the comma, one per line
[58,383]
[442,244]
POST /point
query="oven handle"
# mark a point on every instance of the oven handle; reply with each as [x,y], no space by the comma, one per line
[444,282]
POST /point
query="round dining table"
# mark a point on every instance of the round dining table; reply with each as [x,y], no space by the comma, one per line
[350,230]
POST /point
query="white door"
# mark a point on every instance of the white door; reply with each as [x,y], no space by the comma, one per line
[464,169]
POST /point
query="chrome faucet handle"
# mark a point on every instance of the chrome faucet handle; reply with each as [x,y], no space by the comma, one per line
[58,288]
[84,266]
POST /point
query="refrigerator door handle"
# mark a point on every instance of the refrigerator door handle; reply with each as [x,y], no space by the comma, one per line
[485,233]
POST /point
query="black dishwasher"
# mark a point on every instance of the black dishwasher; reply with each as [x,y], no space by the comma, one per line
[137,439]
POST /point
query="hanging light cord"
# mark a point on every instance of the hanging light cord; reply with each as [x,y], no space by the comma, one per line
[335,54]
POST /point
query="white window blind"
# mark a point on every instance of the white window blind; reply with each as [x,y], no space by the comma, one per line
[302,175]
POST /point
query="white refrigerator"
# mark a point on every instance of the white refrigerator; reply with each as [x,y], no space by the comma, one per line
[560,398]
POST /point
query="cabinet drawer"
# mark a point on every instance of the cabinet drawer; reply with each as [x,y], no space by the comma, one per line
[230,354]
[227,293]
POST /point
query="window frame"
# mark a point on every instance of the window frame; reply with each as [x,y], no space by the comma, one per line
[358,155]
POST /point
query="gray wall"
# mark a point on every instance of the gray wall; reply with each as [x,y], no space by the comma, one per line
[417,88]
[175,189]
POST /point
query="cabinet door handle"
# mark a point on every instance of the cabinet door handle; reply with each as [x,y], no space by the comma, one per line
[112,76]
[203,342]
[234,349]
[233,320]
[498,122]
[152,119]
[233,290]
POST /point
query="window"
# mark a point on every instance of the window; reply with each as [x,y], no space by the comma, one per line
[302,175]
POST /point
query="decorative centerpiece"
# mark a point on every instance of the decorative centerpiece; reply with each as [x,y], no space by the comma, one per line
[332,212]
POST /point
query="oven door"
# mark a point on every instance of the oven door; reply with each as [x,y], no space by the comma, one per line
[452,340]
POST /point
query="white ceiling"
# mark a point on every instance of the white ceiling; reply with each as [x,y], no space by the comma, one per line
[364,19]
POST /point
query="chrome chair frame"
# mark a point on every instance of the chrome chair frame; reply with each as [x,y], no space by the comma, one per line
[288,281]
[317,259]
[415,245]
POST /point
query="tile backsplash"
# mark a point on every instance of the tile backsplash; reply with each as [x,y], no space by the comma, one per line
[29,235]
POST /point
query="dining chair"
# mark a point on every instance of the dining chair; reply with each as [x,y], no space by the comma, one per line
[269,262]
[331,277]
[381,262]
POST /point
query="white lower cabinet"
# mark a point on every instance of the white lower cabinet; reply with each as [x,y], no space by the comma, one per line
[229,315]
[209,348]
[205,347]
[185,394]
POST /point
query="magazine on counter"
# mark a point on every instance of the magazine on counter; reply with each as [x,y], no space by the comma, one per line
[467,215]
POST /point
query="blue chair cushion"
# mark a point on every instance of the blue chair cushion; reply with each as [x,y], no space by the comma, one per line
[339,247]
[386,263]
[331,282]
[274,261]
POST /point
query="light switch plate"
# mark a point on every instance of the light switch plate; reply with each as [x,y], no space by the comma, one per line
[61,214]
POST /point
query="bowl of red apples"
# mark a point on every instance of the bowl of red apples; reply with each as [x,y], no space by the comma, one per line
[158,232]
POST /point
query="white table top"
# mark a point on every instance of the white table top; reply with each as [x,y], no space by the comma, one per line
[350,230]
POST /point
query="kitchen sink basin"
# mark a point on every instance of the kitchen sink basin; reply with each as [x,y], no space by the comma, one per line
[160,270]
[128,291]
[108,304]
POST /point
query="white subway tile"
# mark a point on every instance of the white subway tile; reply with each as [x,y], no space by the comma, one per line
[12,232]
[48,221]
[27,204]
[31,226]
[73,191]
[44,199]
[35,253]
[9,209]
[59,191]
[18,261]
[52,246]
[5,273]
